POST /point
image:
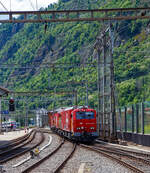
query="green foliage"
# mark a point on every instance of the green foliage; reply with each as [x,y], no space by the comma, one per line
[29,45]
[127,92]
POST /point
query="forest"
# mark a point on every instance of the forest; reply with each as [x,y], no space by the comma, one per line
[26,48]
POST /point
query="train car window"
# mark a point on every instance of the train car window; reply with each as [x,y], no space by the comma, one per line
[84,115]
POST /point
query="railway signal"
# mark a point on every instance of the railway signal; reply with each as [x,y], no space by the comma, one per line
[11,105]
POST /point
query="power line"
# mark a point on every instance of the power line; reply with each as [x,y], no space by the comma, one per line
[36,5]
[53,64]
[32,5]
[46,65]
[10,5]
[3,6]
[31,93]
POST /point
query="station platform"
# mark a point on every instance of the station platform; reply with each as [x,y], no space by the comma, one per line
[7,137]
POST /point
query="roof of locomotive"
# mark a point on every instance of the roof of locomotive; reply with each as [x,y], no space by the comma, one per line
[69,108]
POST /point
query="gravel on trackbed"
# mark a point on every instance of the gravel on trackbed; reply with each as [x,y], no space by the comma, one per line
[53,162]
[94,162]
[8,167]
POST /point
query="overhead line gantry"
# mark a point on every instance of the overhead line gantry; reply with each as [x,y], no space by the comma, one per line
[76,15]
[106,108]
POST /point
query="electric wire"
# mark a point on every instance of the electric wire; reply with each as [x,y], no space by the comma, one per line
[10,5]
[3,6]
[32,5]
[36,5]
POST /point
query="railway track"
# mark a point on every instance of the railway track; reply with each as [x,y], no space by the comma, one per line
[126,158]
[15,142]
[23,147]
[138,155]
[46,130]
[123,149]
[53,154]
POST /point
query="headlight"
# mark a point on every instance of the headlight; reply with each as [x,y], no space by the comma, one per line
[78,128]
[92,128]
[82,127]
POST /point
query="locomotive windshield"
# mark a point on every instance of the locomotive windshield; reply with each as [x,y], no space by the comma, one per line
[84,115]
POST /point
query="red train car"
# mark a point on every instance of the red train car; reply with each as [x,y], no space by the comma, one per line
[77,123]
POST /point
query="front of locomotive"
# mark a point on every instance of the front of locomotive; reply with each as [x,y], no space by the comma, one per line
[85,126]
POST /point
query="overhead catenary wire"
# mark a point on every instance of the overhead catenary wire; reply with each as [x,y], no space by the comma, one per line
[36,5]
[47,66]
[36,64]
[31,5]
[10,5]
[3,6]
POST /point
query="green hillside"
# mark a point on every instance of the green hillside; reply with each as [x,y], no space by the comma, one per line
[26,48]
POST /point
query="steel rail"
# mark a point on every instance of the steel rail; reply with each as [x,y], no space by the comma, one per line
[123,154]
[56,16]
[119,148]
[46,130]
[43,159]
[7,158]
[66,159]
[15,142]
[134,169]
[49,155]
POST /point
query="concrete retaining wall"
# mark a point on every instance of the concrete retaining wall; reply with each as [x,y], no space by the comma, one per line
[134,137]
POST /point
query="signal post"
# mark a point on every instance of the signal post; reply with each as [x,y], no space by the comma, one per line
[3,92]
[11,105]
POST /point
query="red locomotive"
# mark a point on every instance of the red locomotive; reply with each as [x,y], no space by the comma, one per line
[77,123]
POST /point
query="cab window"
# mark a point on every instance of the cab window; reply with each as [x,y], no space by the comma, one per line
[84,115]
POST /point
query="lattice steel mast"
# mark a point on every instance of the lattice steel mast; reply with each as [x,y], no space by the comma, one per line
[106,99]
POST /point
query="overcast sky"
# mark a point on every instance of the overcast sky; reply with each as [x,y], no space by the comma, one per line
[22,5]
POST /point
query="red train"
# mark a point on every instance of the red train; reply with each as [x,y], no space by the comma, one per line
[76,123]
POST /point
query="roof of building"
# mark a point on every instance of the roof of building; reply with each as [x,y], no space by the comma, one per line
[3,91]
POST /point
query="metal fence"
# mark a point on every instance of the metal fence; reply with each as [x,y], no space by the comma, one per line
[134,118]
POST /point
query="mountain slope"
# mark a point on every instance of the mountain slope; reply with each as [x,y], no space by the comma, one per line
[26,48]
